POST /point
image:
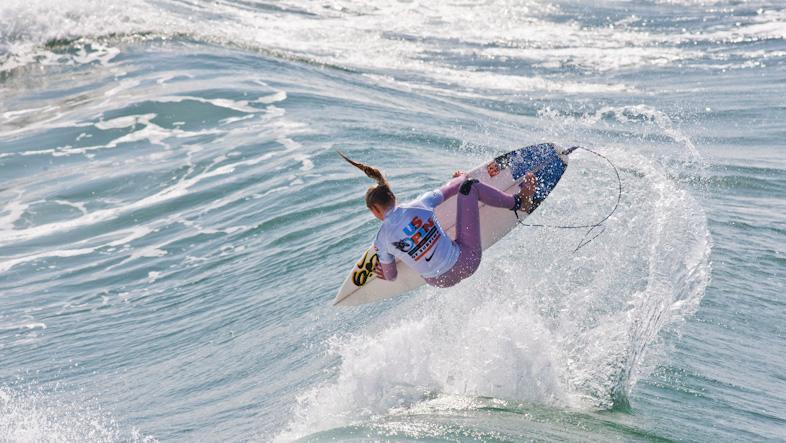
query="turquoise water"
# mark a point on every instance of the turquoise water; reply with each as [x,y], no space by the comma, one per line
[174,222]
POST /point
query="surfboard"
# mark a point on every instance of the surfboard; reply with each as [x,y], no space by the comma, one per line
[547,161]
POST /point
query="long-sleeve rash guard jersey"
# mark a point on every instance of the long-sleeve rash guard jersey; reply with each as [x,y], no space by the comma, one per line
[412,233]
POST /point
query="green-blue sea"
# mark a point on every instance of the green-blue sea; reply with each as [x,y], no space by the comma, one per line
[175,222]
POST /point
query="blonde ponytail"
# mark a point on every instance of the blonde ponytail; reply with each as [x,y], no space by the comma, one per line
[372,172]
[377,195]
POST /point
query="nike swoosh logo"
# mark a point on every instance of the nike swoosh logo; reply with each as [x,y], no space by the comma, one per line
[431,256]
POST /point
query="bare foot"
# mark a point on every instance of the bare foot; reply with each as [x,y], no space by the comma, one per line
[527,192]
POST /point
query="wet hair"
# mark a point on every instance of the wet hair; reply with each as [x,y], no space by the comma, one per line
[379,194]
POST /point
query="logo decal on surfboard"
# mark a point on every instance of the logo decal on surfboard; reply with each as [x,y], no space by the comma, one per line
[492,169]
[499,163]
[365,268]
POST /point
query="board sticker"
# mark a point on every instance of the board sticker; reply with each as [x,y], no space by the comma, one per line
[493,169]
[365,268]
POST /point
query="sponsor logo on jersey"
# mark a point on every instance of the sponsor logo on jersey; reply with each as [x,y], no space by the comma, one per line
[420,238]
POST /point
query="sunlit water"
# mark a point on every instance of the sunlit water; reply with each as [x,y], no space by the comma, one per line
[174,222]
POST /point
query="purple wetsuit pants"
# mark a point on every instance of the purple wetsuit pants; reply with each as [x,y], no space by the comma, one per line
[468,228]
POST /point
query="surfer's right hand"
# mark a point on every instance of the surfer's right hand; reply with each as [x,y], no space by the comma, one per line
[459,173]
[380,273]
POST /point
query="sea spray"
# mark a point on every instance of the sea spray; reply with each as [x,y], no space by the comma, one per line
[537,323]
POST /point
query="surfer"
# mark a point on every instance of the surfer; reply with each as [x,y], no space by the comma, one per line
[412,232]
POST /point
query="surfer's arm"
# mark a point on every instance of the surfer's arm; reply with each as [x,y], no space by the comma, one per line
[386,269]
[432,199]
[451,188]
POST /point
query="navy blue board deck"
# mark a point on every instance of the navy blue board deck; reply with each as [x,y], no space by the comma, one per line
[541,159]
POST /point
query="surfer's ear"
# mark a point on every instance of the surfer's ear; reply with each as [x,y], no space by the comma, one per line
[377,211]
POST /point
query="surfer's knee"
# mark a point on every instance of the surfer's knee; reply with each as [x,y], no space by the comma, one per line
[470,264]
[476,257]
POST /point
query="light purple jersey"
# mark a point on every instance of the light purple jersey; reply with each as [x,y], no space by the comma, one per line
[411,232]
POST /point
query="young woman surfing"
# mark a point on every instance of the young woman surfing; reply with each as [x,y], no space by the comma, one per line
[412,232]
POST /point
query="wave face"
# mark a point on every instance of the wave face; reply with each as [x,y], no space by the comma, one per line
[174,221]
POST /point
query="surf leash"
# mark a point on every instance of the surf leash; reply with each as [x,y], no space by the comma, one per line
[593,228]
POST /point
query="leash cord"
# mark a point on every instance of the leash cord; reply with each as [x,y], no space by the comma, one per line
[592,227]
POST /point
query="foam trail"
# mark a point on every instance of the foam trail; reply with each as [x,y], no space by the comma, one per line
[8,263]
[406,363]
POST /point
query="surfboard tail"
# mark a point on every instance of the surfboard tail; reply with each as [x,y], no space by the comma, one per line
[569,150]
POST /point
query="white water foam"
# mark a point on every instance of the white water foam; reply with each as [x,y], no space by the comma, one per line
[32,416]
[350,34]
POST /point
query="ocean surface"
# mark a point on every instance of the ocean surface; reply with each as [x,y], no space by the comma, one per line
[174,221]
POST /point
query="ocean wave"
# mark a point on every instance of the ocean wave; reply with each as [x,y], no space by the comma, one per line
[569,331]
